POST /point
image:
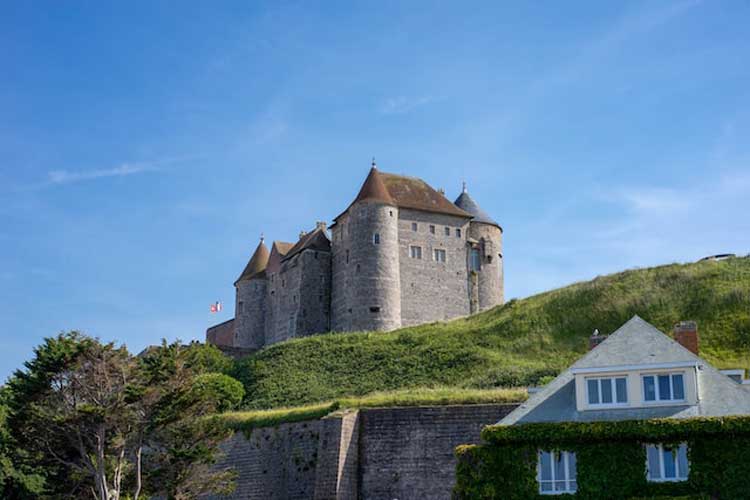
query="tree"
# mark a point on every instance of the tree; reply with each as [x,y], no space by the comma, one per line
[102,423]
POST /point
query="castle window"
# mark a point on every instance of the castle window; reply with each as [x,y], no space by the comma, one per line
[240,305]
[375,309]
[414,226]
[347,256]
[390,212]
[283,283]
[316,255]
[432,229]
[447,231]
[415,252]
[376,238]
[357,267]
[458,232]
[475,262]
[439,255]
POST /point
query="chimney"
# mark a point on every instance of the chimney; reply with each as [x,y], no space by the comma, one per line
[321,225]
[596,339]
[686,334]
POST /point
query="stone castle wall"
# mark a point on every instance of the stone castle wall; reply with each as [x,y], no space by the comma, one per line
[372,454]
[366,284]
[315,293]
[250,314]
[490,278]
[432,290]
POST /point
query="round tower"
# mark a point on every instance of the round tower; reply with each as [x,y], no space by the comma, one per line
[250,304]
[484,256]
[367,284]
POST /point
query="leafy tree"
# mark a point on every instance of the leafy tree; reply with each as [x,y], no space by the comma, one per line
[101,423]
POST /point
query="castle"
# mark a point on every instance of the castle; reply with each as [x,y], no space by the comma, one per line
[401,254]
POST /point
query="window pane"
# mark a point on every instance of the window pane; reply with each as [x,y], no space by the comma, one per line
[652,455]
[665,393]
[573,486]
[572,474]
[593,392]
[606,390]
[678,388]
[559,465]
[668,456]
[559,485]
[649,389]
[682,461]
[545,466]
[546,486]
[621,386]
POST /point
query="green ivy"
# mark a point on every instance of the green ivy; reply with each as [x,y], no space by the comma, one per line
[611,459]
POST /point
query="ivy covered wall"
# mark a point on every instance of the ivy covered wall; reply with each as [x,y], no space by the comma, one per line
[611,459]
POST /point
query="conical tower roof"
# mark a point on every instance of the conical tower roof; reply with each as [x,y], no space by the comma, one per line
[256,267]
[374,189]
[466,203]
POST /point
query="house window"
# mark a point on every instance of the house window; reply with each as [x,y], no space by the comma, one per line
[439,255]
[475,261]
[414,226]
[376,238]
[458,232]
[556,472]
[664,387]
[667,463]
[432,229]
[607,391]
[415,252]
[447,231]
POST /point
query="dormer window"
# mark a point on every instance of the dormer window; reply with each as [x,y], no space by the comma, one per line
[607,391]
[663,387]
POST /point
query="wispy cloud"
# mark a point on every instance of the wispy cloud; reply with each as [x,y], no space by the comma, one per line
[400,105]
[61,177]
[68,176]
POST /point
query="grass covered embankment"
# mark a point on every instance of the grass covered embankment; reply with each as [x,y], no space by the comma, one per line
[513,345]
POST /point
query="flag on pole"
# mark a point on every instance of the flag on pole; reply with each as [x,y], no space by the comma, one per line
[216,307]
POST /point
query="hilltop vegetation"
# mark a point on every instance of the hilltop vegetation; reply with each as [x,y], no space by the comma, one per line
[513,345]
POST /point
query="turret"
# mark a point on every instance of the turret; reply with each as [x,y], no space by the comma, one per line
[366,292]
[485,256]
[250,305]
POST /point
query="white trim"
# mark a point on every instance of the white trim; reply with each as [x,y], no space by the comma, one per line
[566,471]
[660,454]
[623,368]
[658,400]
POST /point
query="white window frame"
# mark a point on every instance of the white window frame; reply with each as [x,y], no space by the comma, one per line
[614,403]
[657,394]
[661,478]
[435,252]
[566,464]
[414,250]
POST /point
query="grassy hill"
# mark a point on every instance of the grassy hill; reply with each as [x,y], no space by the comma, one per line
[516,344]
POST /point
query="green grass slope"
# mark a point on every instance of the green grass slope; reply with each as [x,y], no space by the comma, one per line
[512,345]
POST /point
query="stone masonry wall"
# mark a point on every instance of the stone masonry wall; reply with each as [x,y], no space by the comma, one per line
[431,290]
[372,454]
[315,293]
[490,276]
[250,314]
[274,463]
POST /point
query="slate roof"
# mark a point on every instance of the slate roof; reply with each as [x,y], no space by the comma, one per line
[405,192]
[635,343]
[466,203]
[278,250]
[256,267]
[314,240]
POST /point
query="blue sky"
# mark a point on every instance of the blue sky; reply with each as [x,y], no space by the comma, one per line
[146,145]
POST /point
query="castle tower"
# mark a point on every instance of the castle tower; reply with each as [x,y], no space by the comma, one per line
[250,305]
[366,288]
[485,256]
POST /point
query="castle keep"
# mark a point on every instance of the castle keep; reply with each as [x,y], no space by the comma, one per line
[401,254]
